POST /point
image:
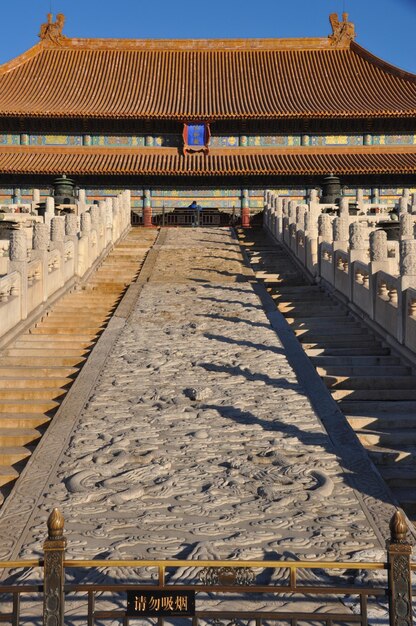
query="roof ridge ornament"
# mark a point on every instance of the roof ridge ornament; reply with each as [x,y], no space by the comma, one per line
[52,31]
[342,32]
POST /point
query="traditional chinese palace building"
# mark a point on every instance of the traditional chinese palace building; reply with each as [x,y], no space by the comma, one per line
[215,120]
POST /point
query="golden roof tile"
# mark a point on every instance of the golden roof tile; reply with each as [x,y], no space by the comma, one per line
[203,79]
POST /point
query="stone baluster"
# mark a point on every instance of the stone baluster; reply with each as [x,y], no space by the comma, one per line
[300,216]
[340,233]
[18,263]
[360,200]
[41,236]
[403,205]
[71,225]
[379,259]
[85,224]
[407,226]
[18,246]
[359,244]
[325,228]
[408,259]
[285,206]
[49,209]
[293,204]
[35,199]
[82,196]
[58,229]
[344,205]
[95,216]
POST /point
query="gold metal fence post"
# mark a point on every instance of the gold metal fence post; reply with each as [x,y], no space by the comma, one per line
[399,551]
[54,554]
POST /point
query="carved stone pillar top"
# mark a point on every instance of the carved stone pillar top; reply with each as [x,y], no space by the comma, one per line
[314,195]
[285,207]
[407,225]
[58,229]
[41,236]
[95,215]
[18,246]
[300,215]
[358,236]
[344,206]
[71,224]
[340,229]
[378,245]
[325,227]
[279,206]
[404,204]
[408,257]
[85,223]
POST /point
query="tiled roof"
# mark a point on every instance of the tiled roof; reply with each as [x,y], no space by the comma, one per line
[305,162]
[203,80]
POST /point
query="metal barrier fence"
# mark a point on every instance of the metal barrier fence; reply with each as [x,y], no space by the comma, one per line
[165,591]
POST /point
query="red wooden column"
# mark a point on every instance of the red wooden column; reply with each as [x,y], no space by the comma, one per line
[147,209]
[245,210]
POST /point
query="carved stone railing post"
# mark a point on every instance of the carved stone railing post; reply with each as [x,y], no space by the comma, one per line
[71,225]
[58,229]
[403,204]
[54,554]
[359,244]
[400,590]
[360,199]
[407,226]
[325,228]
[344,207]
[340,232]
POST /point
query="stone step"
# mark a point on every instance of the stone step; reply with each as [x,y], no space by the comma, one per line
[11,455]
[399,476]
[7,475]
[67,331]
[46,351]
[370,382]
[346,352]
[46,393]
[14,437]
[393,438]
[42,361]
[39,373]
[382,420]
[363,370]
[27,406]
[31,342]
[317,325]
[23,420]
[323,309]
[341,342]
[386,455]
[354,361]
[9,382]
[375,408]
[374,394]
[324,334]
[407,499]
[320,313]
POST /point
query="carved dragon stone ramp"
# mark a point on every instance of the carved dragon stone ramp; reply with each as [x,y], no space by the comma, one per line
[197,439]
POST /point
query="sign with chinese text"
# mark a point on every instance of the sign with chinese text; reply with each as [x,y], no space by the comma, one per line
[196,137]
[161,603]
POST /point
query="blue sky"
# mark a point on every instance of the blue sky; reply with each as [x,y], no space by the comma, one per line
[385,27]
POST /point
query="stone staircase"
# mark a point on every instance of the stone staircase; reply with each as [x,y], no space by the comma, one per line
[37,369]
[373,387]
